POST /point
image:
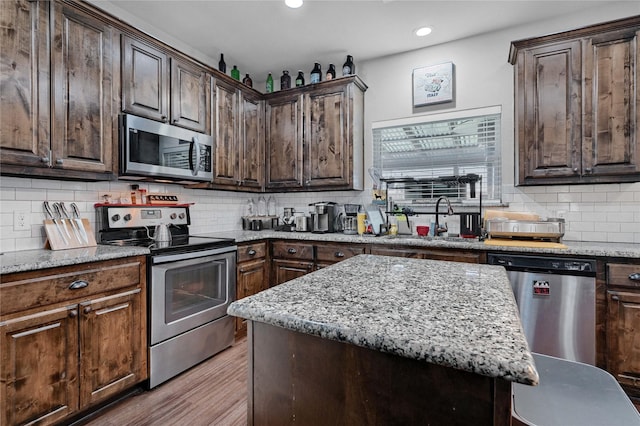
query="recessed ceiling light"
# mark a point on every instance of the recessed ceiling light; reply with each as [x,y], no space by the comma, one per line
[294,4]
[421,32]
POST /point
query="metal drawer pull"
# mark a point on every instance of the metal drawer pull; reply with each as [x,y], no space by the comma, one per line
[635,276]
[292,251]
[78,284]
[251,252]
[339,254]
[73,313]
[616,298]
[87,309]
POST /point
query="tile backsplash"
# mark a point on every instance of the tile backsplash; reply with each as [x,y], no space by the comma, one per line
[608,212]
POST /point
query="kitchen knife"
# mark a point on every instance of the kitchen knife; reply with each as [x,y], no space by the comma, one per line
[47,209]
[76,217]
[58,211]
[73,223]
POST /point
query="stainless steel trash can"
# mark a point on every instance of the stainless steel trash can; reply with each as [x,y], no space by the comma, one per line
[572,393]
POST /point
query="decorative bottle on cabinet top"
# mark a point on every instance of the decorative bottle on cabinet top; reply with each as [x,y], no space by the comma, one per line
[316,74]
[300,79]
[222,66]
[331,72]
[247,80]
[235,73]
[349,67]
[269,84]
[285,80]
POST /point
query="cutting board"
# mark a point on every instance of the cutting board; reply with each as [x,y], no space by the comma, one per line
[55,240]
[523,243]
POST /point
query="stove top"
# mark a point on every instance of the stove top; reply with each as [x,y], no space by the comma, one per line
[177,244]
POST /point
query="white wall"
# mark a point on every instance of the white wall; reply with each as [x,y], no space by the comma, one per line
[483,78]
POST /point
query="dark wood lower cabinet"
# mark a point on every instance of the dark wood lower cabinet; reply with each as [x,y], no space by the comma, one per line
[310,380]
[623,338]
[286,270]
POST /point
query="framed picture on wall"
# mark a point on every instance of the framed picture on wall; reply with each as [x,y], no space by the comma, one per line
[433,84]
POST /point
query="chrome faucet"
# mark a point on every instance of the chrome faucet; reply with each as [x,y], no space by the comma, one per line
[440,230]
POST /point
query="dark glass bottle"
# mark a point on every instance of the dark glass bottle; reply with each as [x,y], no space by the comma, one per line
[285,80]
[331,72]
[349,67]
[235,73]
[222,66]
[300,79]
[269,85]
[247,80]
[316,74]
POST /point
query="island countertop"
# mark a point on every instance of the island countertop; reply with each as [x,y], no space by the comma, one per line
[452,314]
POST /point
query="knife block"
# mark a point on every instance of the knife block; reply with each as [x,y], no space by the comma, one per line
[56,229]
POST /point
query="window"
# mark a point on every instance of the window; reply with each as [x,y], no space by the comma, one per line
[440,145]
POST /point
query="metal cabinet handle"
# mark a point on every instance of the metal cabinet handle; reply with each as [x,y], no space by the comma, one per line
[635,276]
[164,118]
[251,252]
[86,309]
[339,254]
[59,161]
[73,313]
[616,298]
[78,284]
[292,251]
[45,159]
[575,170]
[588,170]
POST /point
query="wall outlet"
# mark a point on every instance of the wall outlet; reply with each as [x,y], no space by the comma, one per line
[21,221]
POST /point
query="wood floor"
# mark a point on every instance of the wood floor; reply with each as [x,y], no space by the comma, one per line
[211,393]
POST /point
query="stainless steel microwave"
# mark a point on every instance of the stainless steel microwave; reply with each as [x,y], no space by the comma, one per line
[160,150]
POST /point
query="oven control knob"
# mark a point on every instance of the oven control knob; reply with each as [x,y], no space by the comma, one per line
[173,216]
[127,217]
[115,217]
[182,215]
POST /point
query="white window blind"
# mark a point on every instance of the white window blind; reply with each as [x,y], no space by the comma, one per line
[461,143]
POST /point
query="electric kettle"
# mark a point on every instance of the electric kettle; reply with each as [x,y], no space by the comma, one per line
[161,233]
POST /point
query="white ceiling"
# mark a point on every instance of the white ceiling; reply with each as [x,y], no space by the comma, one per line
[266,36]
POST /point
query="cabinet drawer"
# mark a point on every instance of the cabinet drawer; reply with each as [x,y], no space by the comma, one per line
[623,275]
[28,290]
[291,250]
[336,253]
[252,252]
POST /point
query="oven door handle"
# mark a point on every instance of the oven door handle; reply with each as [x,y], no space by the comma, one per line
[163,258]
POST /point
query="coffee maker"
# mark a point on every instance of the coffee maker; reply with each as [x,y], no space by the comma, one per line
[323,216]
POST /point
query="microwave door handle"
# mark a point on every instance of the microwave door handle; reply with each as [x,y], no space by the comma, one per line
[195,168]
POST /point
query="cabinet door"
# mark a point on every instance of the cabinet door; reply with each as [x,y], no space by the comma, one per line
[251,141]
[251,278]
[188,96]
[145,80]
[286,270]
[623,337]
[112,345]
[548,112]
[39,362]
[24,83]
[226,133]
[612,104]
[284,145]
[398,252]
[326,139]
[82,130]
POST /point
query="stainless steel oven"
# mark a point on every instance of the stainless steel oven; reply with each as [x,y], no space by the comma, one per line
[191,281]
[154,149]
[189,295]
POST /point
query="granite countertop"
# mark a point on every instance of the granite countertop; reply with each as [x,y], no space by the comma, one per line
[29,260]
[574,248]
[447,313]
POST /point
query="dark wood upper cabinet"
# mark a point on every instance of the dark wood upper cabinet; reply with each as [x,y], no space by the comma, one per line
[56,92]
[577,105]
[251,139]
[315,136]
[145,80]
[163,88]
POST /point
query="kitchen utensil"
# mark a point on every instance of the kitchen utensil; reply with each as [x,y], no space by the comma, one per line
[74,225]
[76,217]
[52,218]
[58,215]
[302,223]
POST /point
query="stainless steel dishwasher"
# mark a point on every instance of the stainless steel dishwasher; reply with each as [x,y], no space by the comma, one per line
[557,303]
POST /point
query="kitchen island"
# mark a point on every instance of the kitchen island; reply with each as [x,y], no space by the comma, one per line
[386,340]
